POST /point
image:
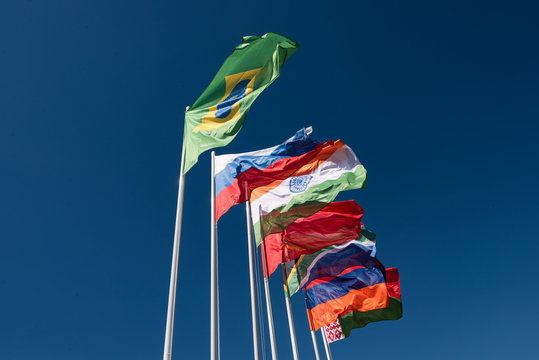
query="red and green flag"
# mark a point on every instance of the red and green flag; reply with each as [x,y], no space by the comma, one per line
[337,223]
[350,320]
[218,114]
[346,287]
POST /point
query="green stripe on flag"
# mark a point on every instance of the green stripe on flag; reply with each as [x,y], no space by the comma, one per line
[358,319]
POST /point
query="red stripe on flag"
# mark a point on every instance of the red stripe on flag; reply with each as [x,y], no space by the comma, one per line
[335,224]
[326,279]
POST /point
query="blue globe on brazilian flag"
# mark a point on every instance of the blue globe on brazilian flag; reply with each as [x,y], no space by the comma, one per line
[218,114]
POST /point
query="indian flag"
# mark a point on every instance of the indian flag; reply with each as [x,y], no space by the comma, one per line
[308,190]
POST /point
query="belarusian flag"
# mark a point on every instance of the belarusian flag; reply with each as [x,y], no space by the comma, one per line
[342,328]
[313,186]
[218,114]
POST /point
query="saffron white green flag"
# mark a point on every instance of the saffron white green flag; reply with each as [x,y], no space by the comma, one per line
[309,189]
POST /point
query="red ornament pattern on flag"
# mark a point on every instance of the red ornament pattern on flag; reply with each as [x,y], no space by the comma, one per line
[333,332]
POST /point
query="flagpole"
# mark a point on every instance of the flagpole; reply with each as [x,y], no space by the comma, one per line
[254,313]
[326,344]
[167,351]
[290,318]
[315,345]
[268,303]
[311,326]
[213,269]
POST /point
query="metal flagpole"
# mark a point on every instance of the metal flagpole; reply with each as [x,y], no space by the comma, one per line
[268,303]
[218,305]
[167,351]
[213,269]
[289,313]
[316,353]
[311,325]
[254,313]
[326,344]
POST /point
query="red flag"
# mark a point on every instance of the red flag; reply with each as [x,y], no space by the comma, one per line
[335,224]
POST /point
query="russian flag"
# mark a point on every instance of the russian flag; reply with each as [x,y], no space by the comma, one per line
[258,168]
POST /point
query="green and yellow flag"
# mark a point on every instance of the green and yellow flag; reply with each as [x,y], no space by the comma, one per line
[218,114]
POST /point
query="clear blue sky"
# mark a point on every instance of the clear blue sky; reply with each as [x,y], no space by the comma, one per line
[438,99]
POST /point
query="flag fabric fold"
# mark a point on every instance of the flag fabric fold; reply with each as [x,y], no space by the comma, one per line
[274,206]
[331,261]
[258,168]
[218,114]
[337,223]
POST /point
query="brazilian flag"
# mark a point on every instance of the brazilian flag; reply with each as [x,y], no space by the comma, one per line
[218,114]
